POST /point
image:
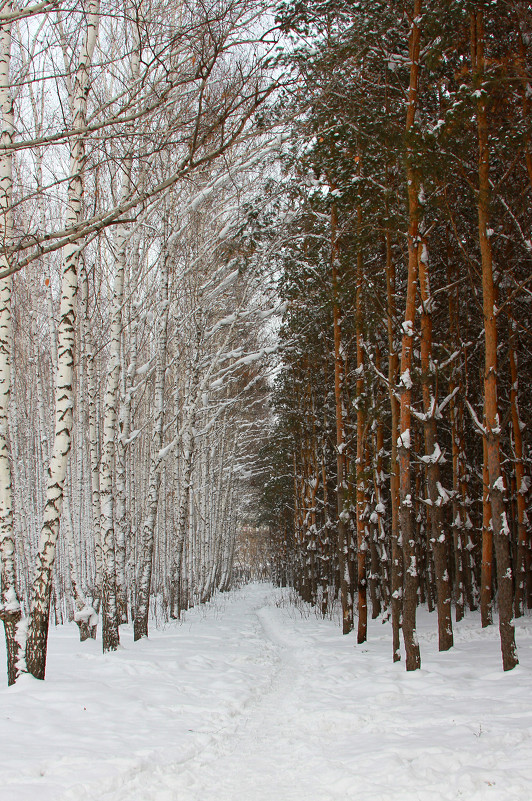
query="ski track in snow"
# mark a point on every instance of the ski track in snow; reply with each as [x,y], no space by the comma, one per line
[252,698]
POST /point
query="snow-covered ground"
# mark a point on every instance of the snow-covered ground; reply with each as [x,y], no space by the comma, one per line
[250,698]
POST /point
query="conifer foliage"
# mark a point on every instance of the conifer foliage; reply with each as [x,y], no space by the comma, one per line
[400,470]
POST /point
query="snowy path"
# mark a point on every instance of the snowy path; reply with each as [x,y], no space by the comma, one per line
[251,699]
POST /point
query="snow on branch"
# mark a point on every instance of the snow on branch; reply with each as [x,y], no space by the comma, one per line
[480,428]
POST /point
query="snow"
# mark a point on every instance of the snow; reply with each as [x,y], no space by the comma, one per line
[229,320]
[21,636]
[86,615]
[11,603]
[434,457]
[406,381]
[505,528]
[444,496]
[408,328]
[202,195]
[251,697]
[403,440]
[133,436]
[163,453]
[143,369]
[267,313]
[525,485]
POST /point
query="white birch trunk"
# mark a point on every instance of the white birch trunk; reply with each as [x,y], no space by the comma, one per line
[36,644]
[110,633]
[147,541]
[124,428]
[84,614]
[9,603]
[94,441]
[218,506]
[113,550]
[184,480]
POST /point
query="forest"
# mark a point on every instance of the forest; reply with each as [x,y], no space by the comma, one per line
[265,313]
[400,410]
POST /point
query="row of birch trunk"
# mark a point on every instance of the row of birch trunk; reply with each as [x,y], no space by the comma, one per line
[129,312]
[152,492]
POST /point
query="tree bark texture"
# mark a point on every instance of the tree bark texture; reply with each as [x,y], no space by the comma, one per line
[499,522]
[36,643]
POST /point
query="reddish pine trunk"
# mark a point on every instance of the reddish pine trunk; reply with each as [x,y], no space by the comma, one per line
[492,426]
[432,450]
[393,371]
[345,582]
[486,573]
[523,544]
[380,564]
[407,523]
[362,540]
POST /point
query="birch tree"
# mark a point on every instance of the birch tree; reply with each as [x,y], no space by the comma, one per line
[36,643]
[10,610]
[154,480]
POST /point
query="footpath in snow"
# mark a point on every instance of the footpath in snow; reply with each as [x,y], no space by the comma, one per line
[251,698]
